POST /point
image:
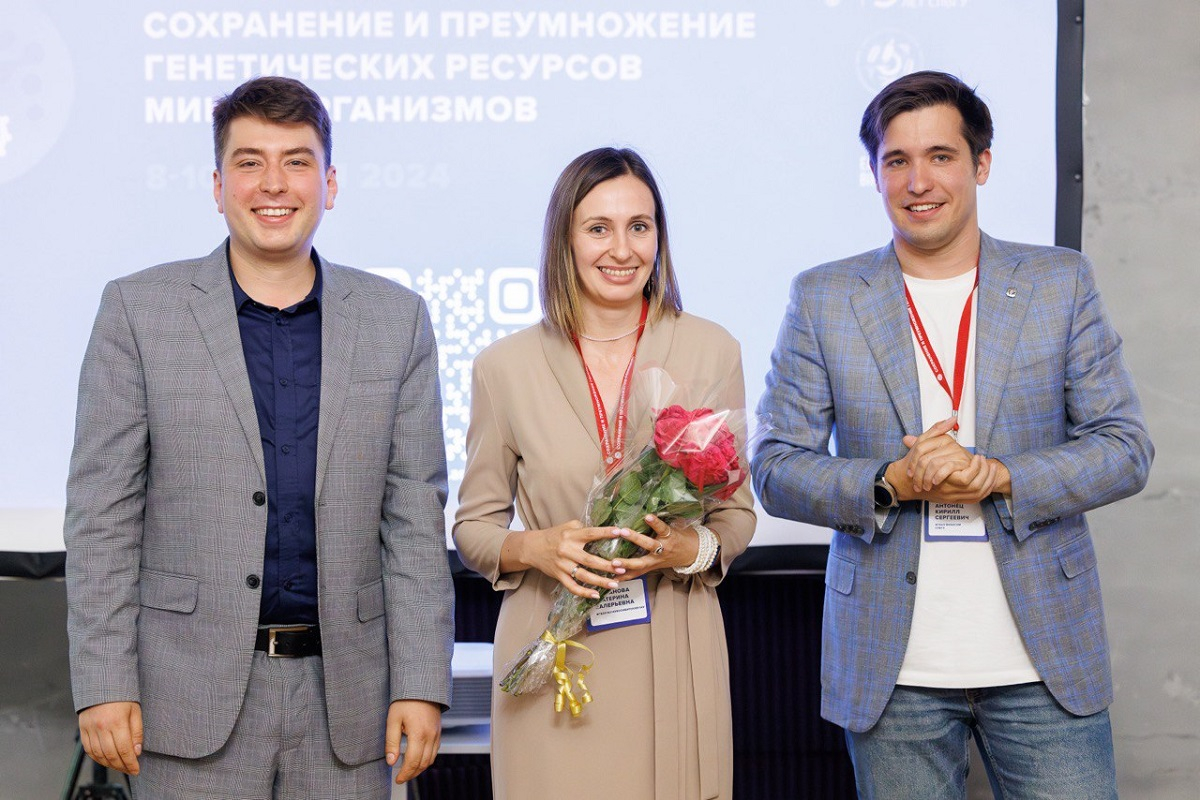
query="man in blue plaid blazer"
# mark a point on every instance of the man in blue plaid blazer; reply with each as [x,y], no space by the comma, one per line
[259,596]
[979,404]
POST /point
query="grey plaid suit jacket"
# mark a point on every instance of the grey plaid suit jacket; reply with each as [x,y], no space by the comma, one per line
[1055,403]
[162,530]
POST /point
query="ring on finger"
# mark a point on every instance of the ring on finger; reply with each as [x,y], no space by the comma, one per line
[574,569]
[658,551]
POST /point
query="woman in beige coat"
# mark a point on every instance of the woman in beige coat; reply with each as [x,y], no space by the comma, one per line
[660,724]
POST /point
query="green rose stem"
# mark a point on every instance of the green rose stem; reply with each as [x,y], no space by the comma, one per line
[649,486]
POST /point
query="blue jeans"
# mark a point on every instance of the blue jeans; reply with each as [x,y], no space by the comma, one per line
[1031,746]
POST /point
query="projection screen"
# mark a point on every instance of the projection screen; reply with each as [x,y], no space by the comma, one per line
[451,124]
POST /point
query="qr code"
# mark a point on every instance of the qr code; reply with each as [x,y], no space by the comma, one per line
[469,309]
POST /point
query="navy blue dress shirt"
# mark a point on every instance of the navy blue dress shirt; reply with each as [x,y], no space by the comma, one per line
[283,358]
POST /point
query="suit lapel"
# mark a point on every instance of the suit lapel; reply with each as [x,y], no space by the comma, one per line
[1004,299]
[567,368]
[653,350]
[339,334]
[882,317]
[565,364]
[212,306]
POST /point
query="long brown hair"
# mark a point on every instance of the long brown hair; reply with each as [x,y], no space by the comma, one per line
[559,281]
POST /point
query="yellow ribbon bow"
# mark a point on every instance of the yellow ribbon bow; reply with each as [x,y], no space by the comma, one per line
[564,676]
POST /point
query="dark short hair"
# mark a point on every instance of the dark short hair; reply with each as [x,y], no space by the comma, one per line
[559,282]
[273,99]
[921,90]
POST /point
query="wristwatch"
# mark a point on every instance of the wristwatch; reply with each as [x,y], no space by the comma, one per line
[885,495]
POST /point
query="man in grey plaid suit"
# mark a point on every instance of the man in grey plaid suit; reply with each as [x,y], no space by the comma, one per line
[980,405]
[259,597]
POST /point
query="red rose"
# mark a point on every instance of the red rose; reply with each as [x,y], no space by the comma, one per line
[737,477]
[698,443]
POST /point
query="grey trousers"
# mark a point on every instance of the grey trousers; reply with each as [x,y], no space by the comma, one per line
[279,748]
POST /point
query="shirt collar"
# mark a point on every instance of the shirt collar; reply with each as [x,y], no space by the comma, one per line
[240,298]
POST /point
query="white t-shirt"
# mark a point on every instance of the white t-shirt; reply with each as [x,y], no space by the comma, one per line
[963,633]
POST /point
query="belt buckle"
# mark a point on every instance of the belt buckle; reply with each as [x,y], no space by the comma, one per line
[284,629]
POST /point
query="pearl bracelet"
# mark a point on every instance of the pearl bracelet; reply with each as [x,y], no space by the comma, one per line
[707,554]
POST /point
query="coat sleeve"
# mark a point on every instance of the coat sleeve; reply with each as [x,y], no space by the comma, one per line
[418,592]
[1107,452]
[489,483]
[734,520]
[105,511]
[795,475]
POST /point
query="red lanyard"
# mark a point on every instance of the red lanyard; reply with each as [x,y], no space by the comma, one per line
[960,353]
[611,439]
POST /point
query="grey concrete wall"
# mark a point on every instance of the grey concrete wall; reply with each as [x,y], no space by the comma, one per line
[1141,225]
[1142,228]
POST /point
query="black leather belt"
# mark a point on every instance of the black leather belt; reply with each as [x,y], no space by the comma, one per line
[289,641]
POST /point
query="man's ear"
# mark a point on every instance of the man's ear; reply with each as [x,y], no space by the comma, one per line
[983,168]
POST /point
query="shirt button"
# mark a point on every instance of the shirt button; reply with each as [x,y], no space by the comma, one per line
[253,581]
[259,498]
[283,381]
[286,449]
[287,517]
[911,577]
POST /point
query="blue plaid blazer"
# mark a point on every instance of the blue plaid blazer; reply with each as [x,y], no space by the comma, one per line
[1055,402]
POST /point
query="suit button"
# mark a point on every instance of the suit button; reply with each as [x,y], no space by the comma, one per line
[911,577]
[253,581]
[856,529]
[259,498]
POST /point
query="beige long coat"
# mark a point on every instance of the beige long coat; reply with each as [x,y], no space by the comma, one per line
[660,724]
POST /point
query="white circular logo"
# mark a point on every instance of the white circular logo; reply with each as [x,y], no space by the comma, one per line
[37,89]
[886,56]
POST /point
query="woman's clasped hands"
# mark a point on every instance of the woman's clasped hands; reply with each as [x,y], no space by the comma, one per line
[561,553]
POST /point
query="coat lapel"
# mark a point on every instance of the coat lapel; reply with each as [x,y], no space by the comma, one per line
[653,350]
[1003,301]
[567,369]
[339,334]
[212,306]
[564,363]
[881,314]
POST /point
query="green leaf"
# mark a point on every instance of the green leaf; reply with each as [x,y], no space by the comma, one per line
[601,511]
[686,509]
[631,487]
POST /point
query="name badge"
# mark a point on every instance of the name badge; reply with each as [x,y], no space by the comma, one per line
[628,604]
[954,522]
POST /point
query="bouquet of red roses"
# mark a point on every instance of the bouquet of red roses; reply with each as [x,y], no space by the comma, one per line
[691,465]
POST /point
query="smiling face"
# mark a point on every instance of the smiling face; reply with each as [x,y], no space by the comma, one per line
[614,242]
[928,182]
[273,188]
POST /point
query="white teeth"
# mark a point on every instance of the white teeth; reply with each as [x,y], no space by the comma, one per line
[924,207]
[618,273]
[273,212]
